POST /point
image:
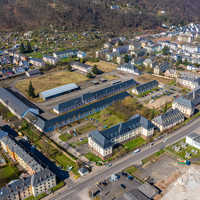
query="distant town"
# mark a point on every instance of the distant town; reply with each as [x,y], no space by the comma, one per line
[89,116]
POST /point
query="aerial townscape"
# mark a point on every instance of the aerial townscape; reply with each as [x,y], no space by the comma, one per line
[92,113]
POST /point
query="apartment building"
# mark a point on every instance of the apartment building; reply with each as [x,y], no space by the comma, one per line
[102,142]
[168,120]
[18,154]
[40,179]
[33,185]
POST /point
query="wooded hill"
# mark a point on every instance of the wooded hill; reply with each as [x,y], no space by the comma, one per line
[84,14]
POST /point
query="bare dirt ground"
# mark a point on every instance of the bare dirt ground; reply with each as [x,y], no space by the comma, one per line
[160,102]
[104,66]
[185,187]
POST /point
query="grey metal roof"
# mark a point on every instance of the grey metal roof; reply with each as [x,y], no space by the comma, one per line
[15,187]
[41,176]
[95,95]
[15,147]
[130,67]
[3,134]
[104,138]
[33,72]
[195,137]
[66,51]
[134,194]
[100,139]
[147,86]
[67,118]
[184,102]
[190,99]
[15,103]
[58,90]
[170,117]
[148,190]
[21,185]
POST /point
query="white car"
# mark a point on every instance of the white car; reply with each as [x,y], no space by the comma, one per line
[136,151]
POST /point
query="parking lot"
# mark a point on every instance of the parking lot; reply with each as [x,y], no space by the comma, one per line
[112,189]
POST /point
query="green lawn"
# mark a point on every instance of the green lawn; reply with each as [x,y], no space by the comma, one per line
[58,186]
[40,196]
[131,170]
[154,156]
[86,128]
[64,137]
[107,118]
[84,141]
[66,162]
[181,153]
[92,157]
[7,174]
[133,144]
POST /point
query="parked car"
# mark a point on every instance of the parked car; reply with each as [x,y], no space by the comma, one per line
[123,186]
[136,151]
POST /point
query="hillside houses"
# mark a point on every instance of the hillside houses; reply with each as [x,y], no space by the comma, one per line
[36,62]
[161,68]
[65,54]
[190,81]
[50,60]
[128,67]
[81,67]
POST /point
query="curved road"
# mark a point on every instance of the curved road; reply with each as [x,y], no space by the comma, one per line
[70,192]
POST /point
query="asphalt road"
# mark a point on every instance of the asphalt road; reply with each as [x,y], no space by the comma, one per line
[70,192]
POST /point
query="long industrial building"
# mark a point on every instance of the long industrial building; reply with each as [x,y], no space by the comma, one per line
[75,115]
[93,96]
[15,105]
[55,92]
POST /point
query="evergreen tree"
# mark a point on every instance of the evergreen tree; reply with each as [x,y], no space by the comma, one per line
[28,47]
[89,75]
[22,48]
[31,90]
[69,68]
[95,70]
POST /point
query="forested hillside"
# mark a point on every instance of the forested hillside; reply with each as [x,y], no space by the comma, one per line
[77,14]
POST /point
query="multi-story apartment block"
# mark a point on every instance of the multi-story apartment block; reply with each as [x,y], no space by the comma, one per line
[50,60]
[18,154]
[189,81]
[102,142]
[130,68]
[33,185]
[40,179]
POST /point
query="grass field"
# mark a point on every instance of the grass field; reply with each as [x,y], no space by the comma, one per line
[92,157]
[64,137]
[106,118]
[86,128]
[66,162]
[148,77]
[131,170]
[182,152]
[104,66]
[50,80]
[133,144]
[7,174]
